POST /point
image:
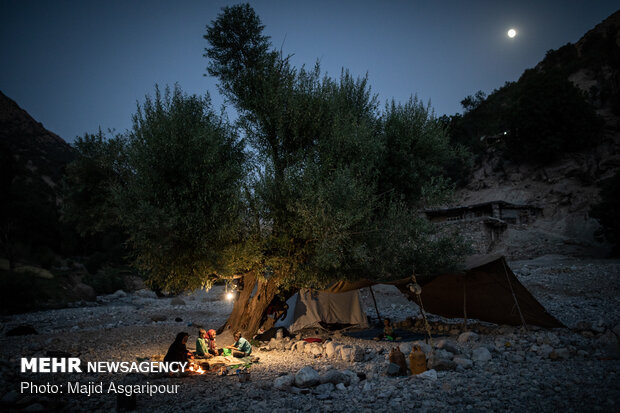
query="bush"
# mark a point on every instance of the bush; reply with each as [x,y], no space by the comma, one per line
[94,263]
[107,280]
[21,292]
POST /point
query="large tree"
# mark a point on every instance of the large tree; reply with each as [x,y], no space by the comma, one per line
[180,202]
[325,201]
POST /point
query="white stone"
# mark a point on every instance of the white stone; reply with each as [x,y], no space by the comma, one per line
[341,387]
[481,354]
[405,348]
[325,388]
[463,362]
[428,375]
[347,353]
[283,382]
[467,336]
[330,349]
[448,346]
[307,377]
[334,376]
[353,378]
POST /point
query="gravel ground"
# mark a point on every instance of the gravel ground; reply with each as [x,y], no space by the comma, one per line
[573,369]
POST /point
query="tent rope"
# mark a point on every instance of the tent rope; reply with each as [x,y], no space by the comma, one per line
[514,295]
[418,292]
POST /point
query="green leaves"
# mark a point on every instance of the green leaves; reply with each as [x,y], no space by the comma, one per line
[182,200]
[337,184]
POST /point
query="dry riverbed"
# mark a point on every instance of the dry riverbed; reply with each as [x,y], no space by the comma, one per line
[499,368]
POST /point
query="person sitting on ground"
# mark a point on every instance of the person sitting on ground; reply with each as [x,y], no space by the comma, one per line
[178,351]
[213,350]
[388,331]
[202,345]
[242,347]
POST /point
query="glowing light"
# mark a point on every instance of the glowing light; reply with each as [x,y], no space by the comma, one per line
[229,296]
[512,33]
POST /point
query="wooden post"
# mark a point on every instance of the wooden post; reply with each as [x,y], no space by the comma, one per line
[465,302]
[514,296]
[375,301]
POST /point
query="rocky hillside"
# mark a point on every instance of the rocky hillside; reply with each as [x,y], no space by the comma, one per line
[33,146]
[564,189]
[32,161]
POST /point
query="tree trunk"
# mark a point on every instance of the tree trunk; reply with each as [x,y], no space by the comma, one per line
[249,309]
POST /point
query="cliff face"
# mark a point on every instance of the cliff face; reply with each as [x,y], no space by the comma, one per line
[567,188]
[32,163]
[33,146]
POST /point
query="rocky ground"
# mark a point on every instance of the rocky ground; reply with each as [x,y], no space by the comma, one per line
[497,368]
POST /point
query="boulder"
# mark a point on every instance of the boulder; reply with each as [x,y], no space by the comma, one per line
[463,362]
[352,353]
[428,375]
[353,377]
[316,349]
[324,388]
[146,293]
[334,377]
[341,387]
[299,346]
[443,354]
[84,292]
[393,370]
[481,354]
[448,346]
[283,382]
[467,336]
[440,364]
[158,317]
[330,349]
[117,294]
[307,377]
[544,350]
[405,348]
[177,301]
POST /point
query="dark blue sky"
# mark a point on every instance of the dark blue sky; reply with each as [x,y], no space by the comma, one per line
[76,66]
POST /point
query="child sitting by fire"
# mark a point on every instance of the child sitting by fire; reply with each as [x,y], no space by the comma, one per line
[242,347]
[202,345]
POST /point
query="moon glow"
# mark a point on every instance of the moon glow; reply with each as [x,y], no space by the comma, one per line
[512,33]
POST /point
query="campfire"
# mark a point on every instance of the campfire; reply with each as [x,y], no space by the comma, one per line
[195,369]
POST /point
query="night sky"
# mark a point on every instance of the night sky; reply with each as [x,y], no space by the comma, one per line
[76,66]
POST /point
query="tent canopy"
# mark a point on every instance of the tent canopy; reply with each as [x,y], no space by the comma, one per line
[486,289]
[308,309]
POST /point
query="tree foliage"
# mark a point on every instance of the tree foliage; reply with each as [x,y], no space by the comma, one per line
[180,202]
[100,165]
[330,202]
[539,117]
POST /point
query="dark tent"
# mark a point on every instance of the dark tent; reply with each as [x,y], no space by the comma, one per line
[485,289]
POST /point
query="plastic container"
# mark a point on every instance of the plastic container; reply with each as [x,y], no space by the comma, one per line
[417,361]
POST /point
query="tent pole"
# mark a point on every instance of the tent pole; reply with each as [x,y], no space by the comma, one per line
[465,302]
[375,301]
[513,295]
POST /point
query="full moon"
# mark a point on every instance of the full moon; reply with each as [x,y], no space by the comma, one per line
[512,33]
